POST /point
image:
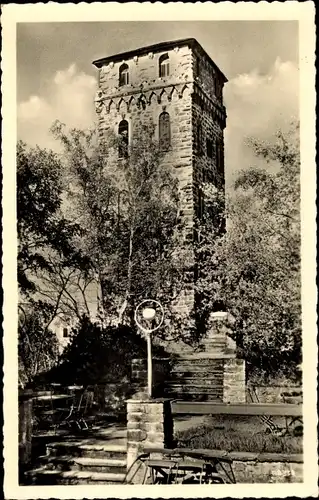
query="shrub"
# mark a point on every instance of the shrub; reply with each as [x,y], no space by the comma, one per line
[98,355]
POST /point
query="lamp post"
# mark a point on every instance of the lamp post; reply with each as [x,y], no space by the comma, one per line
[149,314]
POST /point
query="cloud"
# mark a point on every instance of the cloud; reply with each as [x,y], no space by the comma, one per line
[68,98]
[257,106]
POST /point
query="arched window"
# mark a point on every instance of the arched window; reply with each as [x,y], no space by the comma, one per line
[164,66]
[164,131]
[123,136]
[124,75]
[65,332]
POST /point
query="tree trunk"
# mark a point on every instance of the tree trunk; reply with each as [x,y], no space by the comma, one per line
[129,278]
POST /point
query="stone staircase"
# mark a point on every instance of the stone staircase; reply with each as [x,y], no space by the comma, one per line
[196,379]
[98,457]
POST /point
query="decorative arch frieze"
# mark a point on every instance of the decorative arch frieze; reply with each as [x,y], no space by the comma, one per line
[121,103]
[184,87]
[150,96]
[109,105]
[141,101]
[130,102]
[144,98]
[98,106]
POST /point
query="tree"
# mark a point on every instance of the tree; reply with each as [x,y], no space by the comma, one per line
[38,346]
[44,238]
[254,270]
[40,222]
[128,209]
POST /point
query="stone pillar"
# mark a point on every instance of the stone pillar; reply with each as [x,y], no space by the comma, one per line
[25,428]
[234,386]
[149,425]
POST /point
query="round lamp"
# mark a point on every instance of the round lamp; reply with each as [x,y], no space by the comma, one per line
[149,313]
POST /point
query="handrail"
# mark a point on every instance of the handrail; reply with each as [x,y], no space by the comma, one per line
[212,408]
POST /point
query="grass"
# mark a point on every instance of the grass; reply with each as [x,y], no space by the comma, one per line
[238,434]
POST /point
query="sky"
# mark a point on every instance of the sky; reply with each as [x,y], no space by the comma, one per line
[56,78]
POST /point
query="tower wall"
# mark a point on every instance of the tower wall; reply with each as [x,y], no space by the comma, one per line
[143,100]
[209,114]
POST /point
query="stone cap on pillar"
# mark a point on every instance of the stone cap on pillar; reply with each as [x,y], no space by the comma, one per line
[150,400]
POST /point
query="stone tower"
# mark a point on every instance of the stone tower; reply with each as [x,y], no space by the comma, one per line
[179,87]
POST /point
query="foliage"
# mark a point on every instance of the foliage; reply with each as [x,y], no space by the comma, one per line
[40,222]
[128,209]
[45,241]
[38,346]
[98,355]
[87,219]
[254,270]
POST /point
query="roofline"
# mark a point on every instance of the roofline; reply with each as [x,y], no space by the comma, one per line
[157,47]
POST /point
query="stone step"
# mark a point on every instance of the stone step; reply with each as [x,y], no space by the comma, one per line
[198,370]
[102,465]
[195,397]
[195,367]
[178,394]
[199,363]
[98,433]
[195,387]
[197,376]
[42,476]
[89,464]
[197,381]
[214,342]
[113,449]
[199,358]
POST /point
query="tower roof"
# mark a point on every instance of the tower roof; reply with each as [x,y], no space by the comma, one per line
[158,47]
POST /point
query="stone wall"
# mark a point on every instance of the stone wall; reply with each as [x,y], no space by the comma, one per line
[259,467]
[267,468]
[275,394]
[25,428]
[144,71]
[234,385]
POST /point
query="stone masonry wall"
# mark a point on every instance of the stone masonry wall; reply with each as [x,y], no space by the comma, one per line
[234,387]
[275,394]
[208,112]
[266,471]
[262,467]
[25,427]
